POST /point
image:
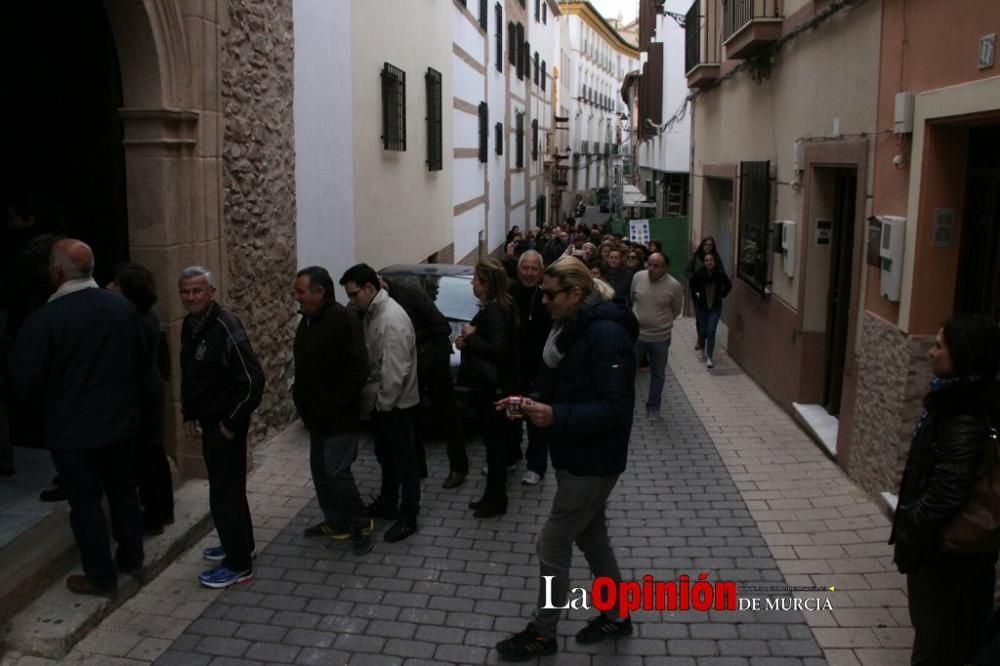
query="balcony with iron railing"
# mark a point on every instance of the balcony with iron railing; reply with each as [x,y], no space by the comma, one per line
[701,47]
[749,25]
[584,147]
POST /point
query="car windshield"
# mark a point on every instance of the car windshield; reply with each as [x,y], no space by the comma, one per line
[453,296]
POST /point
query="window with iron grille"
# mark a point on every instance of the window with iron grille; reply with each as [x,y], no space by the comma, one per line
[483,16]
[536,68]
[538,10]
[498,137]
[393,108]
[498,10]
[484,124]
[755,211]
[512,43]
[432,79]
[545,11]
[534,139]
[540,212]
[543,74]
[519,140]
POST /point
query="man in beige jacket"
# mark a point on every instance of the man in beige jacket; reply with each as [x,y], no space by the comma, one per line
[388,395]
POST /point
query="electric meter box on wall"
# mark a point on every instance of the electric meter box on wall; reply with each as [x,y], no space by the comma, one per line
[891,255]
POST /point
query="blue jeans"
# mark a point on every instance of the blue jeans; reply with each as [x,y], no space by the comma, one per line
[657,353]
[708,322]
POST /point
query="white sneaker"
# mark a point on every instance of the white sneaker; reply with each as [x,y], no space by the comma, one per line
[701,354]
[709,364]
[530,478]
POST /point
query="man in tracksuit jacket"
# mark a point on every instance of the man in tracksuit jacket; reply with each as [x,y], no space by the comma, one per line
[222,383]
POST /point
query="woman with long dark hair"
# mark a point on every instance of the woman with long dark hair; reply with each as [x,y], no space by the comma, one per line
[156,491]
[694,264]
[709,285]
[950,578]
[490,368]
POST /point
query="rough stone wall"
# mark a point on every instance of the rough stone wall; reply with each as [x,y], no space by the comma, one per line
[259,190]
[893,377]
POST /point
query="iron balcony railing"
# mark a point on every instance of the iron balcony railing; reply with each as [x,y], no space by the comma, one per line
[737,13]
[584,146]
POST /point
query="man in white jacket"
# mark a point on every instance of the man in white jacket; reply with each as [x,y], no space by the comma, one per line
[389,394]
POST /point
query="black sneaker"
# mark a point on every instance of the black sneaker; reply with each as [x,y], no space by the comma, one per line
[361,543]
[399,531]
[343,533]
[379,508]
[526,645]
[602,627]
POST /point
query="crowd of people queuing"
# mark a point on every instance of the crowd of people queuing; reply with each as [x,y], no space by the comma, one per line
[565,321]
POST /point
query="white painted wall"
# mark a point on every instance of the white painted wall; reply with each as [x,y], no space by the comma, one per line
[404,211]
[323,116]
[670,151]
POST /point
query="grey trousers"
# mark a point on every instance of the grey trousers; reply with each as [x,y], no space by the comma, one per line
[330,460]
[577,516]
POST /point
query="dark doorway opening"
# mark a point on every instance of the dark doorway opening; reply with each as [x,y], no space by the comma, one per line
[978,284]
[62,135]
[838,318]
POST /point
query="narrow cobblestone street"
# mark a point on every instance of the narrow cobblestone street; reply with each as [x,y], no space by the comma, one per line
[724,482]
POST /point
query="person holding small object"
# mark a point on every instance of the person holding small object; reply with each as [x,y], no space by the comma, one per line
[489,367]
[585,404]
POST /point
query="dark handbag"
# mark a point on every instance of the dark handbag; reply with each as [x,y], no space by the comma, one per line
[976,528]
[476,371]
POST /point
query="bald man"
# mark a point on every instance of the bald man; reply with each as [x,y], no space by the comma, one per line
[75,370]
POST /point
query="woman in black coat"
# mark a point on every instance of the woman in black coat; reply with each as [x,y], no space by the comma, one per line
[490,367]
[694,264]
[156,491]
[709,285]
[950,591]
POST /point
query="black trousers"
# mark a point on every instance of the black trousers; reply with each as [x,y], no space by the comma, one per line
[330,460]
[495,428]
[950,599]
[84,475]
[537,453]
[156,488]
[226,460]
[397,456]
[436,385]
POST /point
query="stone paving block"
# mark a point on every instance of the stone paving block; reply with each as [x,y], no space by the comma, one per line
[261,632]
[273,652]
[408,648]
[318,657]
[222,647]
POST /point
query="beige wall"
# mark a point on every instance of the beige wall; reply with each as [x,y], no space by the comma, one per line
[802,97]
[403,212]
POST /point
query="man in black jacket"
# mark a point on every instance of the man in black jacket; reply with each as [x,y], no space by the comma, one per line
[587,410]
[433,333]
[75,375]
[222,383]
[331,366]
[534,323]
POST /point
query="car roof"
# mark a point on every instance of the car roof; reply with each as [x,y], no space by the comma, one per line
[455,270]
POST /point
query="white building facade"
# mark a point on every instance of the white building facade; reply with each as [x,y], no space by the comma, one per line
[664,149]
[595,60]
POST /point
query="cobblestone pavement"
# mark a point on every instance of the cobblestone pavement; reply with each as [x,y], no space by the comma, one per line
[724,482]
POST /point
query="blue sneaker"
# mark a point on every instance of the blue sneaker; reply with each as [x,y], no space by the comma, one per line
[217,554]
[221,576]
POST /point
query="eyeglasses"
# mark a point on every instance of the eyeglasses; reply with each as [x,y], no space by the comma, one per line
[353,294]
[551,293]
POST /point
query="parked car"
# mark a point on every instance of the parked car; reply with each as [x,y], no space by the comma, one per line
[450,287]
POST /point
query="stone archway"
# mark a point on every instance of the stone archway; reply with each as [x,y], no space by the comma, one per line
[169,54]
